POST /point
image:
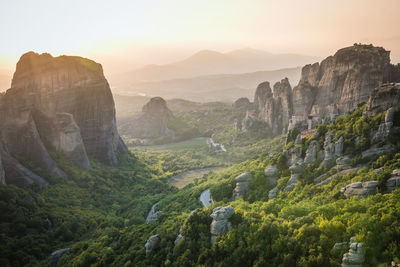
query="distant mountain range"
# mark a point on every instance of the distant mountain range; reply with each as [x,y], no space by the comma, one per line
[208,62]
[220,87]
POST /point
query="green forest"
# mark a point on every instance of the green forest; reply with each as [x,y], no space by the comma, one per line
[100,214]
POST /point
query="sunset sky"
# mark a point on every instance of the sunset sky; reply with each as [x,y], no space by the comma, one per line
[126,34]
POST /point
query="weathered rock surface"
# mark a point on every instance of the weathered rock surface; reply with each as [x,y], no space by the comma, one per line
[56,255]
[242,104]
[330,178]
[152,122]
[312,152]
[329,151]
[153,215]
[296,170]
[248,121]
[359,189]
[377,151]
[271,173]
[273,193]
[274,107]
[340,82]
[382,98]
[152,243]
[242,185]
[220,224]
[356,255]
[343,163]
[64,103]
[205,198]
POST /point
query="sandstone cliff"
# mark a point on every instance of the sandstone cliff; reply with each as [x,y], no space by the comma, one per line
[62,104]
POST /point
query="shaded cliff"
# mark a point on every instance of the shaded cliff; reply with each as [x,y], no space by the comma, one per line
[152,122]
[61,104]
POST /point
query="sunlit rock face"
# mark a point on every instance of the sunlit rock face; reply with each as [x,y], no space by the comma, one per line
[62,104]
[274,106]
[340,82]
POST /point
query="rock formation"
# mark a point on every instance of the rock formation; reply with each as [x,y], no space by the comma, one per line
[220,224]
[356,255]
[295,170]
[56,255]
[273,193]
[340,82]
[242,104]
[360,189]
[59,103]
[384,128]
[383,98]
[274,107]
[248,121]
[271,172]
[242,185]
[153,215]
[152,122]
[152,243]
[312,152]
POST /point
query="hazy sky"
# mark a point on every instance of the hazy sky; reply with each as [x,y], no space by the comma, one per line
[124,34]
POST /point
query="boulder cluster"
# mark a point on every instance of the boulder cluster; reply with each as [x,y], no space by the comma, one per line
[242,185]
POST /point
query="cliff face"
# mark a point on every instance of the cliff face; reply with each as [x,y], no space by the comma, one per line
[153,120]
[274,107]
[341,81]
[383,98]
[59,103]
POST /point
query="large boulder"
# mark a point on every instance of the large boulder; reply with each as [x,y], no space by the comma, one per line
[271,173]
[312,152]
[296,170]
[273,192]
[360,189]
[56,255]
[356,255]
[242,104]
[242,185]
[152,243]
[220,224]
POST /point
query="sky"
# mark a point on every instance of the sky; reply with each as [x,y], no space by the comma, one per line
[126,34]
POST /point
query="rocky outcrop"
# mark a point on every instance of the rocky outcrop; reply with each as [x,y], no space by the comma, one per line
[382,98]
[273,193]
[295,170]
[271,173]
[152,122]
[274,107]
[205,198]
[248,121]
[152,243]
[329,151]
[359,189]
[242,104]
[56,255]
[153,215]
[62,104]
[312,152]
[375,151]
[385,128]
[356,255]
[242,185]
[343,163]
[220,224]
[340,82]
